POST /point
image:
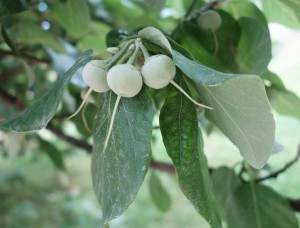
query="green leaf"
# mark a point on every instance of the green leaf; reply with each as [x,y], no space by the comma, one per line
[225,182]
[116,36]
[53,153]
[200,73]
[118,172]
[73,15]
[191,43]
[180,49]
[183,141]
[285,12]
[85,126]
[8,40]
[155,4]
[8,7]
[159,195]
[155,36]
[285,102]
[259,206]
[96,40]
[242,111]
[203,43]
[254,49]
[246,9]
[41,112]
[28,32]
[274,79]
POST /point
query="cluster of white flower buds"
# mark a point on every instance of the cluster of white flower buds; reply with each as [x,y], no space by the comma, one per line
[126,79]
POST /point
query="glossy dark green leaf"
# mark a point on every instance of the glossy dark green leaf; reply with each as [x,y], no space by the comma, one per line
[225,182]
[183,141]
[242,111]
[216,50]
[158,193]
[285,12]
[73,15]
[198,72]
[118,172]
[180,49]
[198,51]
[53,153]
[41,112]
[254,49]
[115,37]
[285,102]
[8,7]
[261,207]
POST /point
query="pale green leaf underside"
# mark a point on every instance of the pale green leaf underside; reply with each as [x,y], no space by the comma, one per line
[200,73]
[283,11]
[42,111]
[242,111]
[118,173]
[260,207]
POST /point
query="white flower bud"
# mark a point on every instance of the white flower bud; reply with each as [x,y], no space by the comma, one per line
[209,20]
[94,76]
[125,80]
[158,71]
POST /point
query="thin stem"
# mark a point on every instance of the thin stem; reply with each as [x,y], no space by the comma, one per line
[125,57]
[190,9]
[134,55]
[216,42]
[119,55]
[188,96]
[111,123]
[283,169]
[84,118]
[144,51]
[82,104]
[187,14]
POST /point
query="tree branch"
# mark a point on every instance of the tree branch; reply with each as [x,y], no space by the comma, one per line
[73,141]
[294,204]
[156,165]
[161,166]
[188,12]
[276,173]
[11,101]
[30,59]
